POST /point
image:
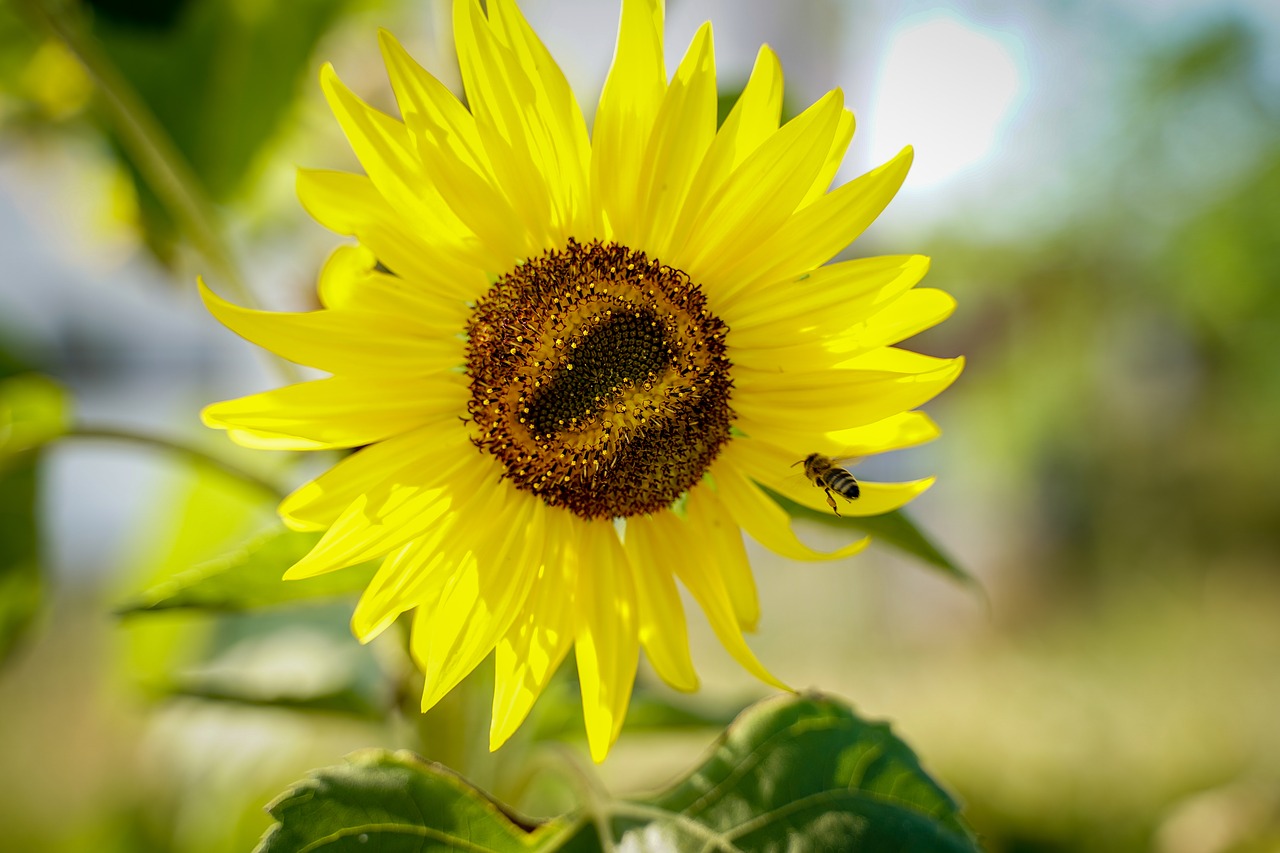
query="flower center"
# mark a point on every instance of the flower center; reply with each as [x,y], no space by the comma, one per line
[599,379]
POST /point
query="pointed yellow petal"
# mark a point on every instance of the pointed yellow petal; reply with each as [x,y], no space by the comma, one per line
[775,467]
[417,573]
[453,158]
[389,156]
[624,119]
[829,297]
[380,522]
[897,432]
[724,537]
[556,129]
[751,121]
[504,101]
[533,648]
[418,456]
[683,129]
[341,341]
[684,546]
[663,632]
[839,145]
[351,205]
[481,601]
[412,565]
[761,194]
[341,411]
[764,520]
[608,645]
[817,232]
[837,399]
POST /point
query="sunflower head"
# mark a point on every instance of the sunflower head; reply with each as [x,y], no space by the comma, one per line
[571,361]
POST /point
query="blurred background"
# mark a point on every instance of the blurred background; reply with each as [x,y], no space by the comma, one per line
[1097,183]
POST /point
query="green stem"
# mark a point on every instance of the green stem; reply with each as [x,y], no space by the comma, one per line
[193,454]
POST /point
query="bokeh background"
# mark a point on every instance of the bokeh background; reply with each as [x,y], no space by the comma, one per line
[1098,183]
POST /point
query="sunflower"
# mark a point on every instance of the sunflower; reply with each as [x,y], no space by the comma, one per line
[570,362]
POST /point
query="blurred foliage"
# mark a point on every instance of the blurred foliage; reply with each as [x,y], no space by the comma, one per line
[1123,392]
[32,409]
[250,578]
[220,77]
[1123,371]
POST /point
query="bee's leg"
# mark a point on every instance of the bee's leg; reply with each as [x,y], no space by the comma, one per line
[831,502]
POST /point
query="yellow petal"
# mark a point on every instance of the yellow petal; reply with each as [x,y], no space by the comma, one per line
[910,314]
[415,457]
[815,233]
[825,298]
[697,562]
[624,119]
[415,574]
[351,205]
[341,411]
[724,537]
[383,600]
[378,523]
[556,128]
[896,432]
[764,520]
[835,156]
[511,110]
[608,646]
[761,194]
[907,429]
[751,121]
[682,131]
[776,468]
[663,632]
[453,158]
[843,398]
[533,648]
[389,156]
[481,601]
[341,341]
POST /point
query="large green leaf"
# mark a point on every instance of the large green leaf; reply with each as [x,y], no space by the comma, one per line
[251,578]
[895,529]
[792,773]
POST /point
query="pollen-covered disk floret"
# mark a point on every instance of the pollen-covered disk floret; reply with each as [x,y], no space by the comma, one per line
[599,379]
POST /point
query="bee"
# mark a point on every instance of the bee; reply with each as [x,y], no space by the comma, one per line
[830,477]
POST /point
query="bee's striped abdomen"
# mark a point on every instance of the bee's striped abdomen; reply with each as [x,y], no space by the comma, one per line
[841,482]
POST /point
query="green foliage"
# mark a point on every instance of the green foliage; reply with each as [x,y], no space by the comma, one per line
[792,773]
[33,409]
[251,578]
[895,529]
[21,583]
[220,78]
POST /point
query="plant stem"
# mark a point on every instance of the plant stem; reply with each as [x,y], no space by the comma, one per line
[193,454]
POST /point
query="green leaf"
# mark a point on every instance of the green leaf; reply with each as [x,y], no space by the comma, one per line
[807,769]
[791,773]
[390,802]
[893,528]
[251,578]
